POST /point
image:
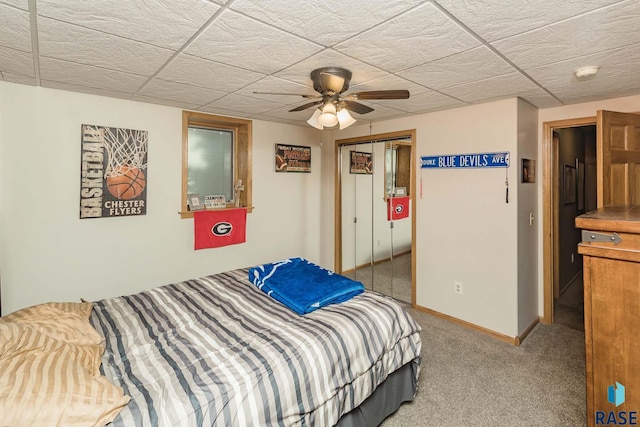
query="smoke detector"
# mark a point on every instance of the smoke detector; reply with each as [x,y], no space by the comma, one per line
[585,73]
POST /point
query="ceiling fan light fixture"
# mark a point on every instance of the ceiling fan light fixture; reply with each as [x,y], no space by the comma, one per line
[313,120]
[345,119]
[328,116]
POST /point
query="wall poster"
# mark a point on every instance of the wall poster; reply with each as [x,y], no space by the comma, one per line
[293,158]
[113,172]
[361,162]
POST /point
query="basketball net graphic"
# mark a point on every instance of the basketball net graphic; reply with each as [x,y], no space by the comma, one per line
[126,149]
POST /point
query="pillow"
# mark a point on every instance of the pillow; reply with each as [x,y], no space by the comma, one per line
[49,369]
[65,321]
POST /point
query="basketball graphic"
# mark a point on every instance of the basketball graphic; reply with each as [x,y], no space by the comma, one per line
[126,182]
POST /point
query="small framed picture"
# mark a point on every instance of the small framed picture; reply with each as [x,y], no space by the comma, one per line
[193,201]
[361,163]
[292,158]
[213,201]
[528,170]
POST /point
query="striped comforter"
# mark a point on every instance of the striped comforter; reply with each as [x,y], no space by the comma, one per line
[218,351]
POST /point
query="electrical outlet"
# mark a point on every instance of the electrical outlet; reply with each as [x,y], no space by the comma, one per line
[457,288]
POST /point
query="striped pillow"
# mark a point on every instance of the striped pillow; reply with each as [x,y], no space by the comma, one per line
[49,369]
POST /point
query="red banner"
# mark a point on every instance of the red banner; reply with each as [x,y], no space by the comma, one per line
[224,227]
[397,208]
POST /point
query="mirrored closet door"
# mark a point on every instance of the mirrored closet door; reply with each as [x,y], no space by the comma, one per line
[374,223]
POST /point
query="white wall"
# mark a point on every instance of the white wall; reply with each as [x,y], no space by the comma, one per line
[465,230]
[629,104]
[48,253]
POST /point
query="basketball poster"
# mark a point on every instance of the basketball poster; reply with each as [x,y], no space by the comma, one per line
[113,172]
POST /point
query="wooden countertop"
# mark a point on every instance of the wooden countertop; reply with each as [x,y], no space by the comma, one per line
[611,218]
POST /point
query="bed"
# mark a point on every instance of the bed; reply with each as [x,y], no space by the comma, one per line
[218,351]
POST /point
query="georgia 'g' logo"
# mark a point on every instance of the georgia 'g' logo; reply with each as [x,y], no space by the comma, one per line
[222,229]
[399,209]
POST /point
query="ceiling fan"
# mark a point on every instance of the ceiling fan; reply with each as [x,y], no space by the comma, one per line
[333,105]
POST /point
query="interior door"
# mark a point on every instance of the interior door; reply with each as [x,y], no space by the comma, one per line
[618,158]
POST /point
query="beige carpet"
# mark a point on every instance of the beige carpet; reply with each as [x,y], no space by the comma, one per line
[471,379]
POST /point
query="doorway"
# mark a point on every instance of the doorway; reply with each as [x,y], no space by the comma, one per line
[569,190]
[374,214]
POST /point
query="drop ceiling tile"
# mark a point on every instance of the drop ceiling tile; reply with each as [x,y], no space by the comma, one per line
[16,61]
[213,75]
[475,64]
[161,23]
[268,118]
[612,63]
[618,70]
[180,92]
[20,4]
[237,40]
[15,29]
[283,113]
[411,39]
[389,82]
[85,75]
[300,72]
[593,90]
[293,91]
[73,43]
[85,89]
[168,102]
[608,28]
[244,104]
[496,19]
[18,78]
[223,112]
[380,112]
[326,22]
[539,98]
[422,102]
[505,86]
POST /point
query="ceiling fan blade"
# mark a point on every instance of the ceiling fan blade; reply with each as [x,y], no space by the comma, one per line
[289,94]
[356,107]
[331,82]
[305,106]
[380,94]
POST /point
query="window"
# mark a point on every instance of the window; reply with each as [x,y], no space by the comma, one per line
[216,154]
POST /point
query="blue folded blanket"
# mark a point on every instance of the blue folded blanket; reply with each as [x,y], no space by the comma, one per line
[302,285]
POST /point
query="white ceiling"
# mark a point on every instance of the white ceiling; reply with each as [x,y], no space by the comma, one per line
[212,55]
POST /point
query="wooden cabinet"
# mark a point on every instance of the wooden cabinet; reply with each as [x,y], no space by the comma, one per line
[611,306]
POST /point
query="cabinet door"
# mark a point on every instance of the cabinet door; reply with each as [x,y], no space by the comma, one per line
[612,332]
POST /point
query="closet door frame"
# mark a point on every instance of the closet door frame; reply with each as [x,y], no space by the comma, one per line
[404,134]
